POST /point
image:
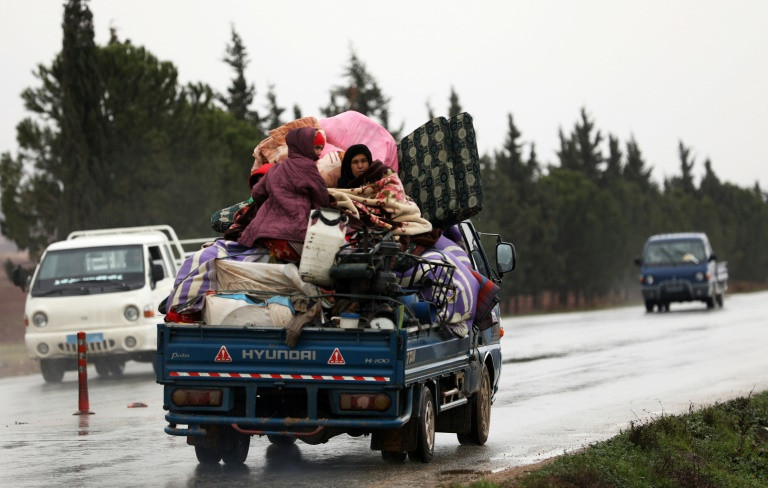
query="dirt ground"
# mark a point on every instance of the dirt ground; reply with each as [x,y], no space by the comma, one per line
[13,355]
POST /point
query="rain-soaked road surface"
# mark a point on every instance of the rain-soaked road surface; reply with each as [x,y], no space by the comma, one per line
[568,380]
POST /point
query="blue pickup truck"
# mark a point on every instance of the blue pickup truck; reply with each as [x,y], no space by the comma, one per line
[397,377]
[681,267]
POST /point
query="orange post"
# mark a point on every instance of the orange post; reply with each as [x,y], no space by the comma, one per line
[82,377]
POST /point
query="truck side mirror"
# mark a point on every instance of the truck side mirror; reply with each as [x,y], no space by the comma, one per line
[20,277]
[638,261]
[158,273]
[506,259]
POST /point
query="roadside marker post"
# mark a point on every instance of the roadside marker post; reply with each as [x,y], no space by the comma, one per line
[83,404]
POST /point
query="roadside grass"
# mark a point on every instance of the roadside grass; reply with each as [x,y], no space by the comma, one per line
[723,445]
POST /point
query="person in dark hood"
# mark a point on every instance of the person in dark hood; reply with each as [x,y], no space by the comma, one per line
[358,167]
[285,196]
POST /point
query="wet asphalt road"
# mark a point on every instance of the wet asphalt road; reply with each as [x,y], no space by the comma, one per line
[568,380]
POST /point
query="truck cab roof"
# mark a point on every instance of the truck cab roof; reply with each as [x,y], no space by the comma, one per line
[151,237]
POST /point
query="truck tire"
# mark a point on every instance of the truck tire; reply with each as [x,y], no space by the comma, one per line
[52,370]
[425,430]
[238,453]
[393,457]
[281,440]
[481,414]
[206,455]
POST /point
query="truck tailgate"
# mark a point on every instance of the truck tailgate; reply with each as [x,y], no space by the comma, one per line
[354,356]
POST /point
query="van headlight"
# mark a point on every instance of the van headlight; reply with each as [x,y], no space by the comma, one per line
[699,276]
[39,319]
[649,279]
[131,313]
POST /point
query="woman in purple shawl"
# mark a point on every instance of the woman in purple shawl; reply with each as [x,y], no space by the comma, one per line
[285,197]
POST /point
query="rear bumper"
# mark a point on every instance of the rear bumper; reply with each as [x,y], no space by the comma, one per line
[281,426]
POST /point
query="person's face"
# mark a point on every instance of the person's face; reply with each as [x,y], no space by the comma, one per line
[359,164]
[318,150]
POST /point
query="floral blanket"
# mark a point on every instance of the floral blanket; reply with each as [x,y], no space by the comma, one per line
[383,204]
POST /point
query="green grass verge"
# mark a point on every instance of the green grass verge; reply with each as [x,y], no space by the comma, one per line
[723,445]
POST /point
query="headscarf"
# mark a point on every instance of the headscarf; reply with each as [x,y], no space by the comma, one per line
[302,142]
[346,163]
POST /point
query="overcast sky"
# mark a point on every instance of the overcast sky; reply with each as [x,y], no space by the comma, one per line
[661,70]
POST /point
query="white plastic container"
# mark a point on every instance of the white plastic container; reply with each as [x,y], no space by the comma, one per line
[325,236]
[349,320]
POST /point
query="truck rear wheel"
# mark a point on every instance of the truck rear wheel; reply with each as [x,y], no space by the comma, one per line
[281,440]
[393,457]
[52,370]
[206,455]
[238,453]
[425,429]
[481,414]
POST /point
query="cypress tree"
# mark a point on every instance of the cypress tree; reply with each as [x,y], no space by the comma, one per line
[82,152]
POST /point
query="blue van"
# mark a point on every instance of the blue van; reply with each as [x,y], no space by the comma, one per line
[681,267]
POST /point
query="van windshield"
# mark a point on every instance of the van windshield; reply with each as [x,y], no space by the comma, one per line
[90,270]
[689,251]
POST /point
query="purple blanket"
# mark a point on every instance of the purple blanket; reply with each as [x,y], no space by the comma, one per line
[197,274]
[458,313]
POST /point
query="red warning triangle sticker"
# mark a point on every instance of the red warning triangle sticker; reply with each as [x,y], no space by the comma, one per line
[223,355]
[336,357]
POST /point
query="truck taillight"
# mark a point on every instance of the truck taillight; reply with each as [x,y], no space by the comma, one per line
[364,401]
[185,397]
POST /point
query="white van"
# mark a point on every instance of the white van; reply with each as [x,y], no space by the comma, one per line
[107,283]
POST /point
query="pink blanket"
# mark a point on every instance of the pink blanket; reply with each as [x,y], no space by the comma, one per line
[349,128]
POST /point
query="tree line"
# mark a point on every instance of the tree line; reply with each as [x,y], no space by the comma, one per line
[113,139]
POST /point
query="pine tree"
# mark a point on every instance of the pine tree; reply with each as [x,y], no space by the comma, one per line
[274,111]
[613,168]
[635,170]
[240,92]
[454,108]
[81,170]
[684,182]
[430,111]
[361,93]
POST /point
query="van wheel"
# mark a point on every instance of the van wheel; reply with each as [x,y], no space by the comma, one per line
[102,368]
[648,306]
[425,430]
[481,414]
[116,367]
[52,370]
[206,455]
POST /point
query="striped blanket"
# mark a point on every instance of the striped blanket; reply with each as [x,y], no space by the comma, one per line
[197,274]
